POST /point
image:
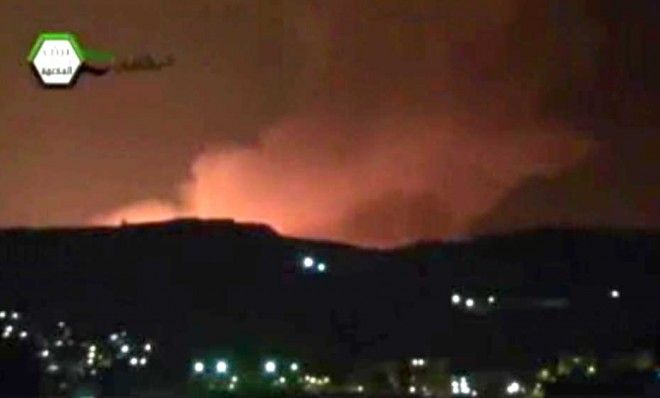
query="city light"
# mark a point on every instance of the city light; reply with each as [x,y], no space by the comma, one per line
[114,337]
[133,361]
[321,267]
[455,299]
[491,299]
[463,386]
[270,367]
[61,324]
[615,293]
[412,389]
[3,314]
[308,262]
[591,369]
[45,353]
[59,343]
[147,347]
[221,367]
[92,348]
[513,388]
[198,367]
[234,379]
[23,335]
[455,388]
[294,367]
[469,303]
[15,315]
[52,368]
[143,361]
[360,389]
[125,348]
[282,379]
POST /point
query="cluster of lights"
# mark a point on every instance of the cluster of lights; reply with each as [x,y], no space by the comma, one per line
[418,362]
[317,381]
[61,355]
[515,388]
[309,263]
[10,327]
[469,302]
[136,355]
[461,387]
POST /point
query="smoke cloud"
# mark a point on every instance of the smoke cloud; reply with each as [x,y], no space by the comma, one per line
[404,121]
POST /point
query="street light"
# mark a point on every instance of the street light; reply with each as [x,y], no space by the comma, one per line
[308,262]
[221,367]
[321,267]
[615,293]
[469,303]
[513,388]
[455,298]
[198,367]
[270,367]
[294,367]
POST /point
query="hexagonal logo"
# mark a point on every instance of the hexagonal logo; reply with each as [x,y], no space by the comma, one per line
[56,57]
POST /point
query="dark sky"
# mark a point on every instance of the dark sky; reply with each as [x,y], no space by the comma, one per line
[375,122]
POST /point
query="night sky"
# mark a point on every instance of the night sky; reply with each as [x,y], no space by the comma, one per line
[373,122]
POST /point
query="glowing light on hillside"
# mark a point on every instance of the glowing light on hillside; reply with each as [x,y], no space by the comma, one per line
[270,367]
[469,303]
[198,367]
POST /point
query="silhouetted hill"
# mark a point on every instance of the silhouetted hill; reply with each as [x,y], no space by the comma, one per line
[201,287]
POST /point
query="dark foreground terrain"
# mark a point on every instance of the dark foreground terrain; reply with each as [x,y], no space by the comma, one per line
[199,287]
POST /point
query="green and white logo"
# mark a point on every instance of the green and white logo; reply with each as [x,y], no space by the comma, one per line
[57,57]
